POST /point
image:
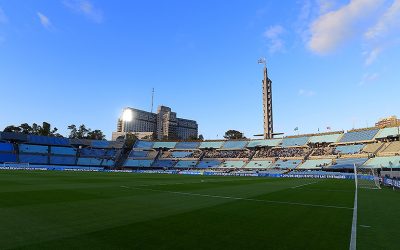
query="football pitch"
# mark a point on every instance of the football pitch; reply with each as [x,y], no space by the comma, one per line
[90,210]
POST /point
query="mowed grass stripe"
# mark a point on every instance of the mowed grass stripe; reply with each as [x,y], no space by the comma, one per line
[107,217]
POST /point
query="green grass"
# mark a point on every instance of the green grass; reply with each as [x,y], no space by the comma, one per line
[80,210]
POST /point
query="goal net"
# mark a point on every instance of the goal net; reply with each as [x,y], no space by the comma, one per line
[367,178]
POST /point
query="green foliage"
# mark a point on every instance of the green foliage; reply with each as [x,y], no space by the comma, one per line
[34,129]
[85,133]
[233,135]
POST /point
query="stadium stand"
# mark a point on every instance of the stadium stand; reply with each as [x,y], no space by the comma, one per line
[139,154]
[187,145]
[282,152]
[388,133]
[232,145]
[211,144]
[160,144]
[329,138]
[264,143]
[294,141]
[138,163]
[391,148]
[63,150]
[349,149]
[316,164]
[259,164]
[359,135]
[62,160]
[26,148]
[208,164]
[186,164]
[164,163]
[347,163]
[100,144]
[45,140]
[143,144]
[34,158]
[232,164]
[372,148]
[286,164]
[384,162]
[89,161]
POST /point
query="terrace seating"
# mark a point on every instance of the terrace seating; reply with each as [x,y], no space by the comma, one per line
[315,164]
[100,144]
[356,136]
[372,148]
[259,164]
[232,164]
[92,152]
[348,163]
[160,144]
[211,144]
[46,140]
[264,143]
[6,147]
[107,163]
[33,158]
[186,164]
[294,141]
[89,161]
[350,149]
[164,163]
[208,164]
[26,148]
[227,154]
[8,157]
[286,164]
[144,144]
[138,163]
[62,150]
[384,162]
[392,148]
[139,154]
[388,132]
[234,145]
[62,160]
[331,138]
[187,145]
[281,152]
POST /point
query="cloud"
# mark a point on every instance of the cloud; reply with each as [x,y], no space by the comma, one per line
[273,35]
[368,78]
[336,27]
[390,19]
[384,33]
[3,17]
[86,8]
[307,93]
[44,20]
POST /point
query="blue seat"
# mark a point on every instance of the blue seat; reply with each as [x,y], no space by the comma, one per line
[363,135]
[295,141]
[187,145]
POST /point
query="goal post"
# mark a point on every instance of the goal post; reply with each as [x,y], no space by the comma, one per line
[367,177]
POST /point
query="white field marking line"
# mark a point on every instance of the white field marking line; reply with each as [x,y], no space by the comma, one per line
[353,239]
[365,226]
[197,182]
[239,198]
[304,184]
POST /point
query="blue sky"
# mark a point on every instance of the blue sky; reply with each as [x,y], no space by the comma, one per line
[332,63]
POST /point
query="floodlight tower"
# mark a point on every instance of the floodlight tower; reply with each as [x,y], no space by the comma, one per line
[267,102]
[127,117]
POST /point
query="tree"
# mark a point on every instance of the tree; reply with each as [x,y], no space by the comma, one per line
[201,138]
[96,135]
[12,129]
[233,135]
[85,133]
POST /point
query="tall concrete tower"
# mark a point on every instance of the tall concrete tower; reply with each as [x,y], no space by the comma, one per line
[267,103]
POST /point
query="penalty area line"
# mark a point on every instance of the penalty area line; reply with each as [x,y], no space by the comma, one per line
[305,184]
[239,198]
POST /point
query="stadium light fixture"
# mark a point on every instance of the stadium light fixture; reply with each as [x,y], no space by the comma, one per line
[127,116]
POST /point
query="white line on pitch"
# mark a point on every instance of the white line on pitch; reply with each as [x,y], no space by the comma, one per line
[239,198]
[305,184]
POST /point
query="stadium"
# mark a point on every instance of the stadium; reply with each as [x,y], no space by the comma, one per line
[158,184]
